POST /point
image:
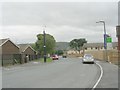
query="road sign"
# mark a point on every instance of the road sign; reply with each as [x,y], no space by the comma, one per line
[109,42]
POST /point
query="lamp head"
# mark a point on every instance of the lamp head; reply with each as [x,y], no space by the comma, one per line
[101,21]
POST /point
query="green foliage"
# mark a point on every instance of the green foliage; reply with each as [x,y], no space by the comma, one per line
[33,46]
[59,52]
[47,60]
[77,43]
[50,44]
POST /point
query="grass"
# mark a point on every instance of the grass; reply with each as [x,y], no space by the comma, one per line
[42,60]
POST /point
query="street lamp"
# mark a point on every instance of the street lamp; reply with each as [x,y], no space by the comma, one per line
[105,44]
[105,38]
[44,46]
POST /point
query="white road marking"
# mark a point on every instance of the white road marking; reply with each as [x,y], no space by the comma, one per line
[101,70]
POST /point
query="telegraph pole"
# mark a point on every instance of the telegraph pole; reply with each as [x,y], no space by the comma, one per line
[44,46]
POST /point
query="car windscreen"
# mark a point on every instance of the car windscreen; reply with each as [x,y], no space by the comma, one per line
[88,55]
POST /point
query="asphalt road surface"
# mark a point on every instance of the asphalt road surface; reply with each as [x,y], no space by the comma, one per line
[62,73]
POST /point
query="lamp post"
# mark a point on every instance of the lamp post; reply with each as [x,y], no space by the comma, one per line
[44,46]
[105,38]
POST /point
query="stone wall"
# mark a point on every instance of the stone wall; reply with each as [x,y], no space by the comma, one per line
[113,56]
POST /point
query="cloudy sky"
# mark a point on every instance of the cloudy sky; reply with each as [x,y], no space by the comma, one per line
[22,21]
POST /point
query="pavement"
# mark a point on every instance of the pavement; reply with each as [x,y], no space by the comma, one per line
[110,76]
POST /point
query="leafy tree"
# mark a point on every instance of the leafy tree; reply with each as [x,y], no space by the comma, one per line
[59,52]
[77,44]
[33,46]
[50,44]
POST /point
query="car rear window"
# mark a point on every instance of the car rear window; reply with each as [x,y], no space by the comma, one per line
[54,56]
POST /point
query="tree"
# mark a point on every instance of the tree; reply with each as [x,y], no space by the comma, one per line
[50,44]
[33,46]
[77,44]
[59,52]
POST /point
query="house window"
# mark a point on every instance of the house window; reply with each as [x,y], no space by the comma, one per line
[95,47]
[85,48]
[91,48]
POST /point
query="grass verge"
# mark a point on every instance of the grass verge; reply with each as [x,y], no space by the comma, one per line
[42,60]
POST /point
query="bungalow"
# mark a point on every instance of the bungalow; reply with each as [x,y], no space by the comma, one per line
[98,46]
[9,52]
[27,52]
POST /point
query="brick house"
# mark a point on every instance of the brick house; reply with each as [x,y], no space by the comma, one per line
[118,36]
[9,52]
[27,52]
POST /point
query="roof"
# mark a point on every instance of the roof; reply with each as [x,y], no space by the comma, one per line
[93,45]
[3,41]
[23,47]
[86,45]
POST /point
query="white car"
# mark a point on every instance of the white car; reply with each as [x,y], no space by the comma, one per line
[88,59]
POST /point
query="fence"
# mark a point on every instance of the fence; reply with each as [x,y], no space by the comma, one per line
[11,59]
[8,59]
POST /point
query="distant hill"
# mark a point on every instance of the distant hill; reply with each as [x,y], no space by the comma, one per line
[62,46]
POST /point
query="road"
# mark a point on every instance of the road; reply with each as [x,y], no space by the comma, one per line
[64,73]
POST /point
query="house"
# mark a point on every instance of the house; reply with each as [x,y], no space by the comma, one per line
[118,35]
[9,52]
[98,46]
[27,52]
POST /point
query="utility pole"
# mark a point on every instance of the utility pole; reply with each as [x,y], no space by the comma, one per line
[44,46]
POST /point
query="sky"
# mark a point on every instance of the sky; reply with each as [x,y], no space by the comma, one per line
[22,21]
